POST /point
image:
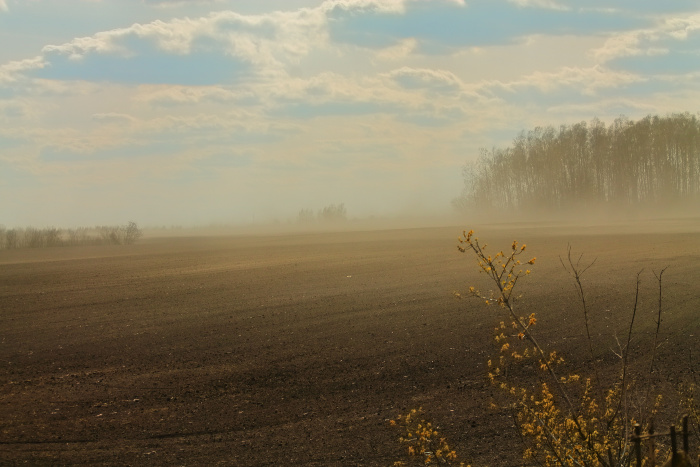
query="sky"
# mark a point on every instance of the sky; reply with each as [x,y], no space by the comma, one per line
[244,111]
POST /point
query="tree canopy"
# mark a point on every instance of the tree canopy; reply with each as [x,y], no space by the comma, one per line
[652,162]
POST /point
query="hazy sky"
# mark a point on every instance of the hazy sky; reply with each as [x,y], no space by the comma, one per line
[191,112]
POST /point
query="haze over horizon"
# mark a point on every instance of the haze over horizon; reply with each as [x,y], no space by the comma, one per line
[223,111]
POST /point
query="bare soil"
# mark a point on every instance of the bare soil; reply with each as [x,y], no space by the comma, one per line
[297,349]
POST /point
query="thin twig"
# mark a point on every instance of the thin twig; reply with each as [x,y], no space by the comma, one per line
[623,389]
[656,340]
[576,272]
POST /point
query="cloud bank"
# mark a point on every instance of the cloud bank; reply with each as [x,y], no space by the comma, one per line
[234,111]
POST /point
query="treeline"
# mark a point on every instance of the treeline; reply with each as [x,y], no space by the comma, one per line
[31,237]
[330,213]
[652,162]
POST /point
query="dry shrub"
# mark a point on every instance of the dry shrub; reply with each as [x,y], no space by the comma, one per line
[563,418]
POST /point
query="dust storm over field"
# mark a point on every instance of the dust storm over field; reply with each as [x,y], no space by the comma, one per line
[334,150]
[298,348]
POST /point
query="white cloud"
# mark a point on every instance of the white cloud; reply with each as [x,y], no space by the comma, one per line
[113,117]
[12,71]
[3,5]
[266,41]
[627,44]
[426,78]
[293,33]
[586,80]
[547,4]
[650,41]
[174,3]
[681,28]
[399,51]
[589,80]
[174,37]
[383,6]
[175,95]
[395,6]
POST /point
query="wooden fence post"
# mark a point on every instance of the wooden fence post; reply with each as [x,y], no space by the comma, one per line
[674,446]
[677,458]
[638,443]
[685,434]
[652,446]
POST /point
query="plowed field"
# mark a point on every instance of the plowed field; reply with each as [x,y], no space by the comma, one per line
[297,349]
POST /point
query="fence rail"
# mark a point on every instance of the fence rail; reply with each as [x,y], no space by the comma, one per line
[677,459]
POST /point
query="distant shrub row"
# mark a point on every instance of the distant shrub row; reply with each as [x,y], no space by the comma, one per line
[31,237]
[330,213]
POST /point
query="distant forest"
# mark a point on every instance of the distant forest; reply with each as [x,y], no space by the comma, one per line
[652,162]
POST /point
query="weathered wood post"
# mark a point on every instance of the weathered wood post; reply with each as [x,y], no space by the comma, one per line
[638,443]
[674,446]
[652,446]
[685,434]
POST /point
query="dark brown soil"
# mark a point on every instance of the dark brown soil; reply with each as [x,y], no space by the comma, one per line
[298,349]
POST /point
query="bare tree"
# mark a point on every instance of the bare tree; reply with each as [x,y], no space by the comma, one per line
[306,216]
[333,213]
[652,162]
[132,232]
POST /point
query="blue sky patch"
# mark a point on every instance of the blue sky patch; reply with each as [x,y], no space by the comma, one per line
[480,23]
[147,65]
